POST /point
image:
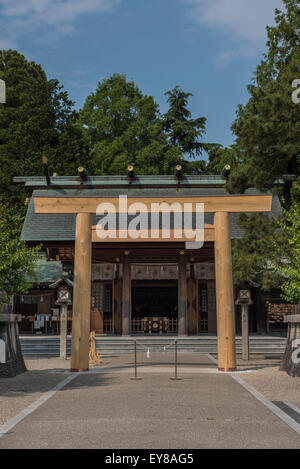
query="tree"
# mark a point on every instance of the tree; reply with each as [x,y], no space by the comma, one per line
[185,132]
[181,129]
[123,127]
[268,148]
[196,168]
[37,119]
[17,264]
[254,254]
[289,252]
[219,157]
[268,126]
[17,261]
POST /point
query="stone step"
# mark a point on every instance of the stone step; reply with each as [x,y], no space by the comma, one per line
[49,346]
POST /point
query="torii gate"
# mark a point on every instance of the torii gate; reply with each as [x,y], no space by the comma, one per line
[221,206]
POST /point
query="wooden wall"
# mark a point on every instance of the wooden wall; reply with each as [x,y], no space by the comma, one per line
[211,306]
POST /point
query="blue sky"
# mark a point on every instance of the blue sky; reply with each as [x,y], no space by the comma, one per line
[208,47]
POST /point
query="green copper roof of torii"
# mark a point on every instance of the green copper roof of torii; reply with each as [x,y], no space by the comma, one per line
[35,182]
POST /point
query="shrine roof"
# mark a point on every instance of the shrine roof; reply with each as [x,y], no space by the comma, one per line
[47,272]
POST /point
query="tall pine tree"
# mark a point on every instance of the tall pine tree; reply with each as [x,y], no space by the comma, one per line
[181,129]
[267,130]
[184,131]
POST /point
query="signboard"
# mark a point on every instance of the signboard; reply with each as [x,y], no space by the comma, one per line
[2,92]
[63,295]
[10,317]
[39,321]
[2,351]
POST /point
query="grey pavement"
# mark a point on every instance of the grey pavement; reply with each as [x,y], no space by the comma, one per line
[106,409]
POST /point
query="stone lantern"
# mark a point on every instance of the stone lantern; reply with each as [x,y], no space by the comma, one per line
[11,358]
[291,359]
[64,294]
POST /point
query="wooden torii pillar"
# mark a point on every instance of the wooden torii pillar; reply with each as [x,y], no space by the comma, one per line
[221,206]
[224,294]
[82,293]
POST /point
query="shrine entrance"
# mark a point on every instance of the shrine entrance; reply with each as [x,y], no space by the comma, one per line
[154,307]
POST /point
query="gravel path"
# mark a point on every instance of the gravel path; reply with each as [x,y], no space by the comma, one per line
[19,392]
[275,385]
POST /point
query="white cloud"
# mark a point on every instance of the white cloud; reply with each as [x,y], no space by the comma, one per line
[19,17]
[242,22]
[54,11]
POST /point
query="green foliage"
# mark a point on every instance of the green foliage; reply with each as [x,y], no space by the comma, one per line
[196,168]
[254,254]
[219,157]
[268,126]
[16,260]
[295,191]
[157,158]
[289,252]
[36,120]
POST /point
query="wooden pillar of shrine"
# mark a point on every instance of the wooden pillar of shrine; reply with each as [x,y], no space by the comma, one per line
[117,302]
[81,294]
[224,294]
[192,307]
[182,295]
[126,296]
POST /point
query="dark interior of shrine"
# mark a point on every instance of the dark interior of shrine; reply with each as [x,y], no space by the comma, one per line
[155,300]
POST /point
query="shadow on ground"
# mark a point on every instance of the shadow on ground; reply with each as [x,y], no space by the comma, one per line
[32,382]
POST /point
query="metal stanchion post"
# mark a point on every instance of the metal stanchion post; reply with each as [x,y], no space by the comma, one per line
[135,365]
[176,376]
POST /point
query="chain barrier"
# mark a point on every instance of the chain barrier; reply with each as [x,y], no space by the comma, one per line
[135,377]
[156,349]
[174,343]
